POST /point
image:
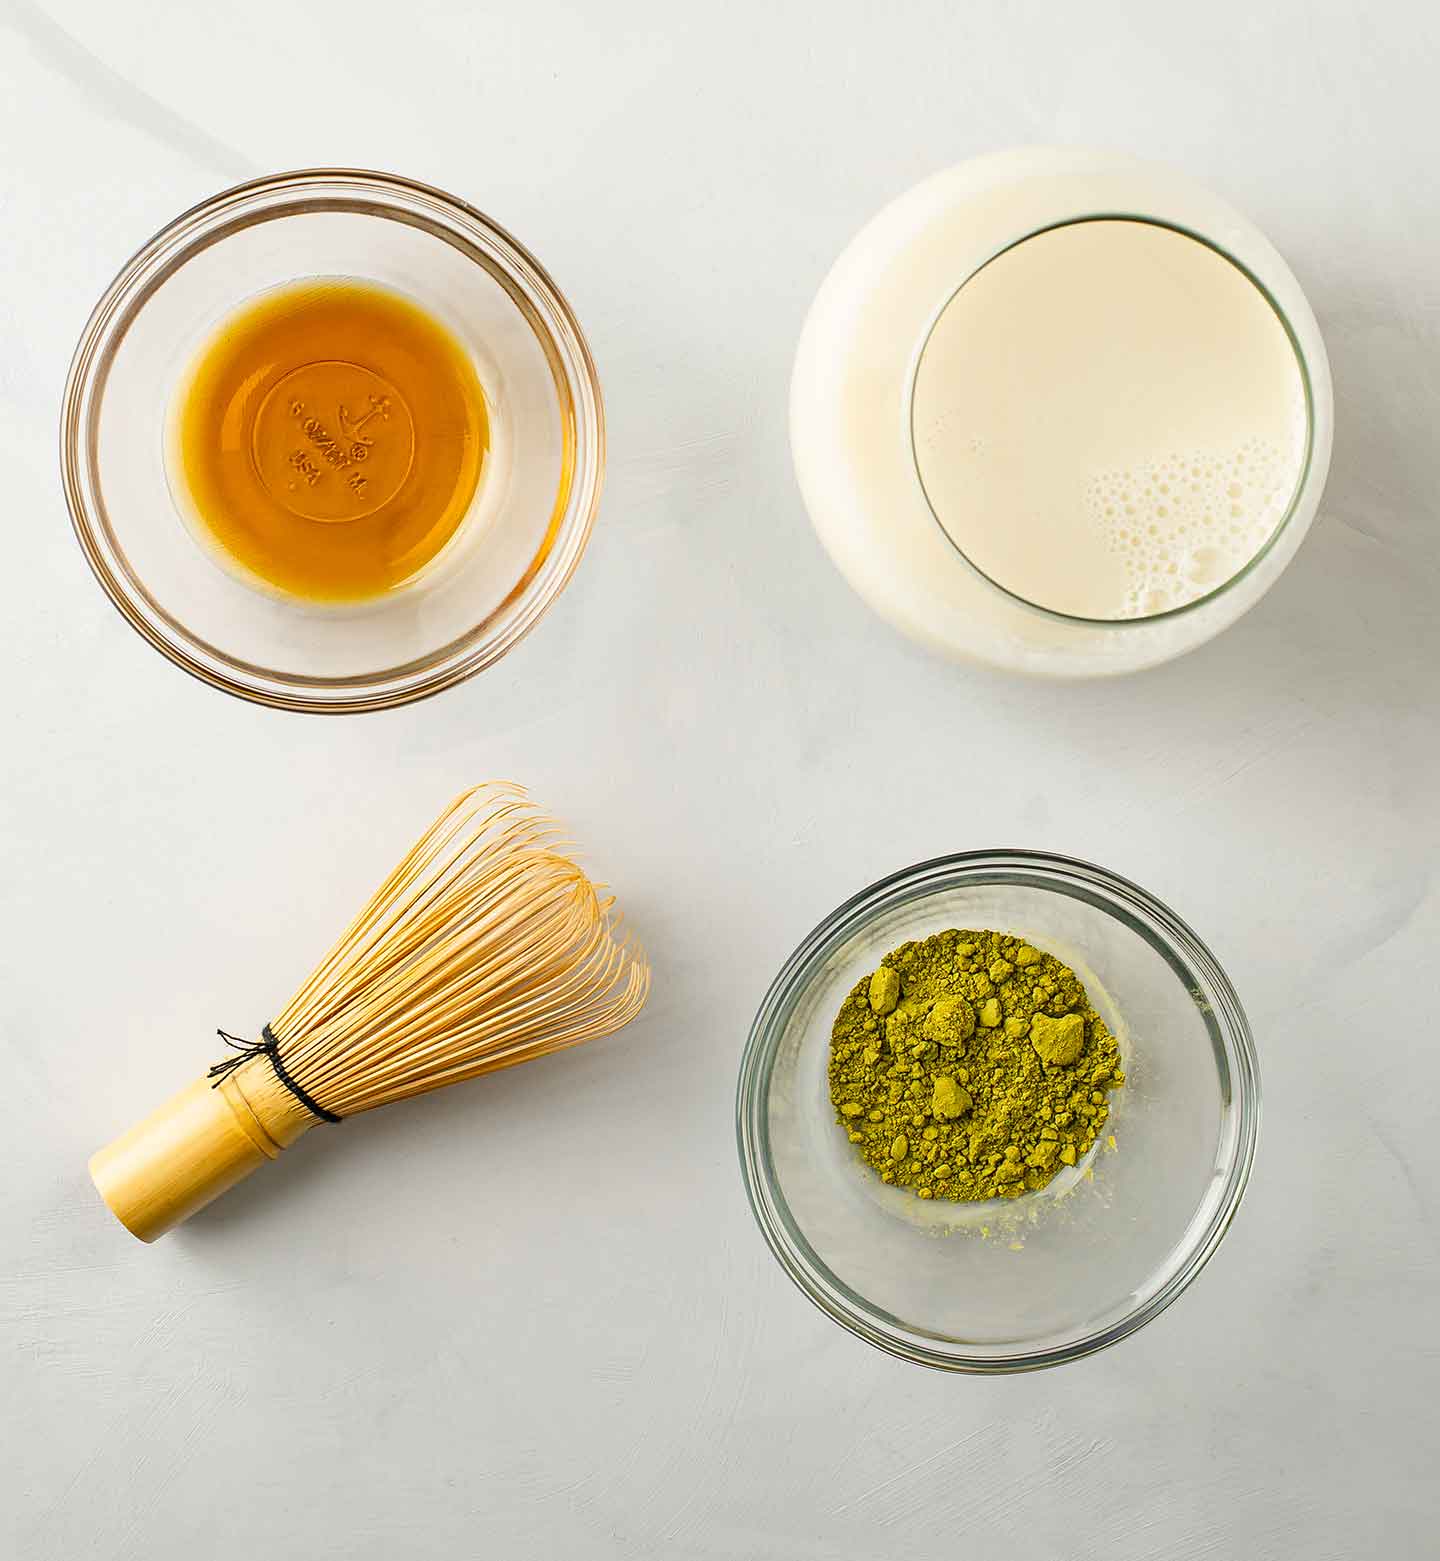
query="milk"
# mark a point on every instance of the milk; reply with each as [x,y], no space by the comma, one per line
[1061,411]
[1109,419]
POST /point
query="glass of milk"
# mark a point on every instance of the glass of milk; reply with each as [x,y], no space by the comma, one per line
[1060,411]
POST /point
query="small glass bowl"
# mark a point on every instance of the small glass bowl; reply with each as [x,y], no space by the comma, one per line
[537,496]
[1056,1274]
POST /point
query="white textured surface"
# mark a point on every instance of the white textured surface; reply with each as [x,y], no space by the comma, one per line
[532,1318]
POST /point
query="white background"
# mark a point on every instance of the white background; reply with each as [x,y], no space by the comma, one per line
[532,1318]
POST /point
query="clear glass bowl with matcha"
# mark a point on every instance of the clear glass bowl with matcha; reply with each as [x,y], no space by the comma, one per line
[1015,1283]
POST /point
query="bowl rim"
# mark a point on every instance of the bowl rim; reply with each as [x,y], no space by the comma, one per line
[1171,937]
[386,196]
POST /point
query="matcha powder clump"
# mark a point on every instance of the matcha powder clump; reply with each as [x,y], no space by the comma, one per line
[971,1065]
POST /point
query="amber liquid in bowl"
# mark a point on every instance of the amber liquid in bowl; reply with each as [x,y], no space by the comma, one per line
[330,438]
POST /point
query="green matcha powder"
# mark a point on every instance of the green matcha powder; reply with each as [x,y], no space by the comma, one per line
[971,1065]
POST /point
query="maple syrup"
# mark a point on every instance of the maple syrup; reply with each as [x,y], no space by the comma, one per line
[330,438]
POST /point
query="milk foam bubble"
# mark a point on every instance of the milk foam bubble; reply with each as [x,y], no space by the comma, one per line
[1184,525]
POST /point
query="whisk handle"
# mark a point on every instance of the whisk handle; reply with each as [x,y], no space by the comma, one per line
[187,1152]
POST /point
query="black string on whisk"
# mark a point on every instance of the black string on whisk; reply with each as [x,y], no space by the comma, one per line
[266,1046]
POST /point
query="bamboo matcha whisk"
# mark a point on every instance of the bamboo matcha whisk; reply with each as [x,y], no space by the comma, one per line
[485,947]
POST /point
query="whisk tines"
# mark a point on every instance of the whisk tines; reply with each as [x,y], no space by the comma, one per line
[486,946]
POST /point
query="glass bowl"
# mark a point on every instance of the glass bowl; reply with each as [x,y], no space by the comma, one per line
[1056,1274]
[526,528]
